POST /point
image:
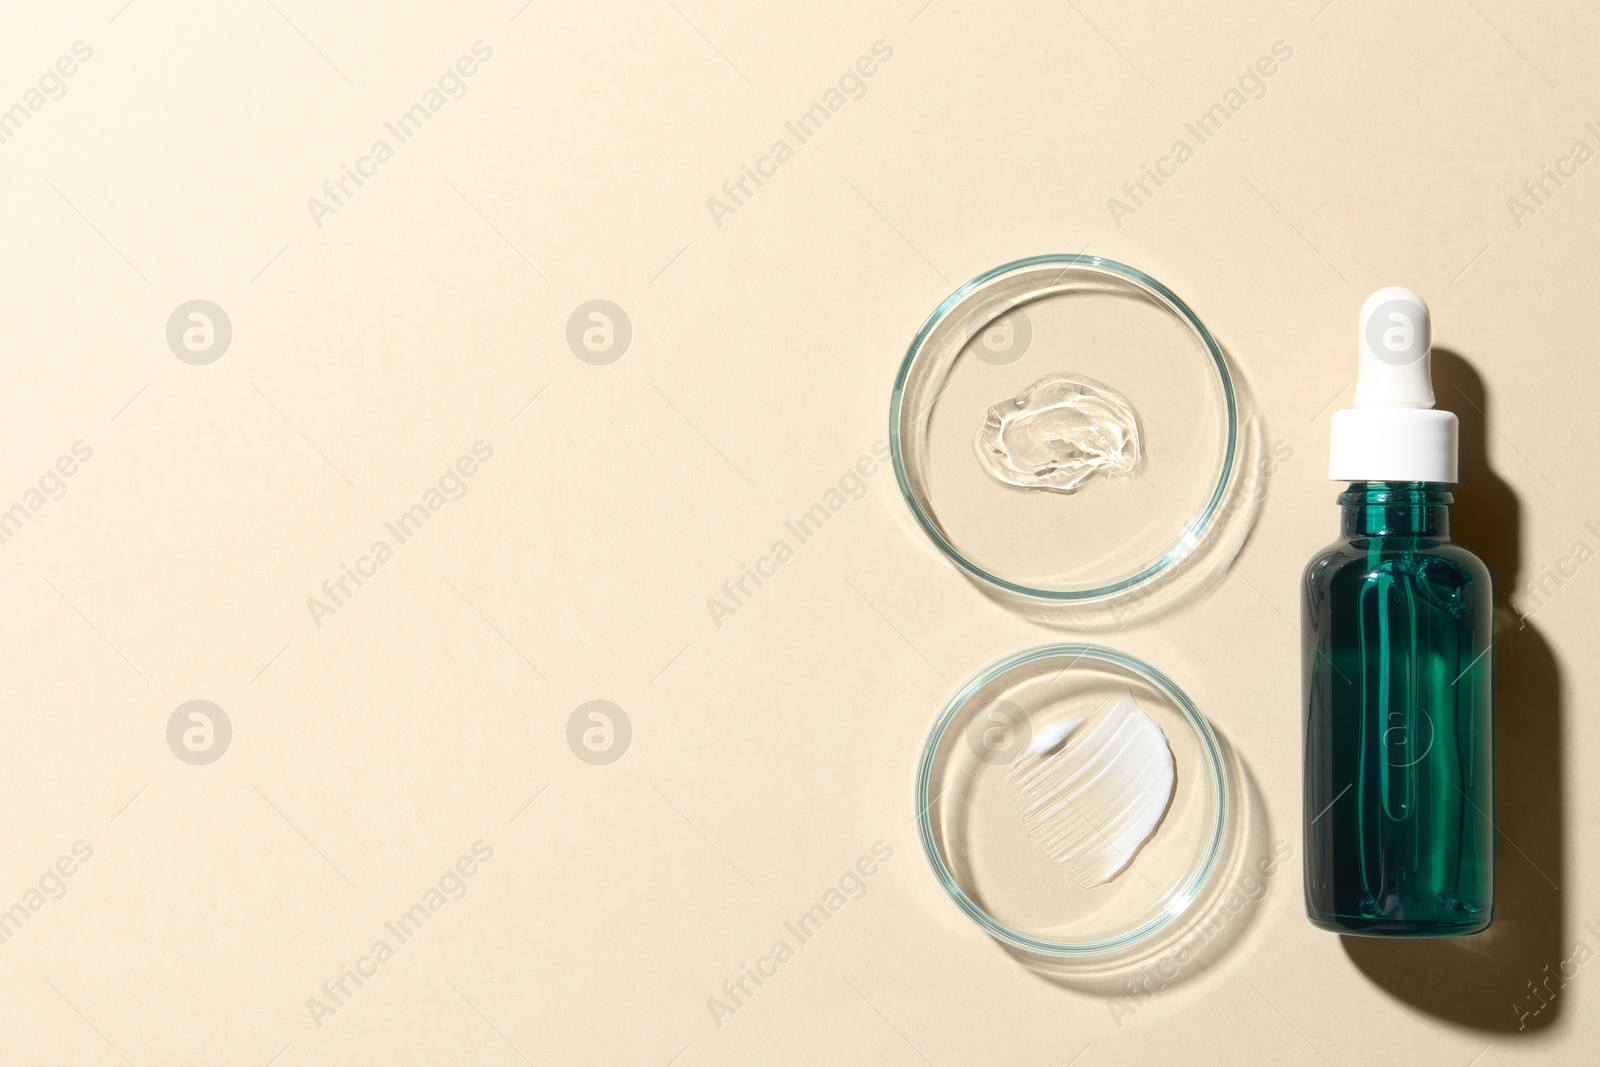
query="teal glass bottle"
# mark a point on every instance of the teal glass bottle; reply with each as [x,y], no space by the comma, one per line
[1398,698]
[1399,724]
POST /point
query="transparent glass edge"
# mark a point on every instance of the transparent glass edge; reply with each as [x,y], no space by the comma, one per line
[1192,530]
[1188,892]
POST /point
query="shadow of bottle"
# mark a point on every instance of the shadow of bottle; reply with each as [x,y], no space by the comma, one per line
[1509,977]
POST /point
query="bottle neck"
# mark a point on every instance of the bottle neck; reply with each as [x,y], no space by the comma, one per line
[1395,509]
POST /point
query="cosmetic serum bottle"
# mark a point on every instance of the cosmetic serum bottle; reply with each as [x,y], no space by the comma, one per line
[1398,698]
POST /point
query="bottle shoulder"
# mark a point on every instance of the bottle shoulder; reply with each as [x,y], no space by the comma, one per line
[1357,559]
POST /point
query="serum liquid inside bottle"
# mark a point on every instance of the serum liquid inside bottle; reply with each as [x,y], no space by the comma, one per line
[1397,668]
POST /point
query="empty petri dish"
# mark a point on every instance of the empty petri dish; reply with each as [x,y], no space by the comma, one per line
[1012,837]
[1064,428]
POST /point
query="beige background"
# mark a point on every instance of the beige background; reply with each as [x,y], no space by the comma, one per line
[769,753]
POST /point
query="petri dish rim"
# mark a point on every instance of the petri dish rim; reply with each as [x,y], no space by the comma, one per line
[1180,902]
[1193,531]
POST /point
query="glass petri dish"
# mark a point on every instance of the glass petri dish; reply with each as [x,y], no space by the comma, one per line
[975,838]
[1090,318]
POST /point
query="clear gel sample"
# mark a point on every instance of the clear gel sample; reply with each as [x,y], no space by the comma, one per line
[1091,791]
[1058,433]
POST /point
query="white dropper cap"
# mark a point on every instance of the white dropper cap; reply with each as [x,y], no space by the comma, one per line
[1393,434]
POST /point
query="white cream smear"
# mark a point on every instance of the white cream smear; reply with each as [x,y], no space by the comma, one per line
[1092,790]
[1058,433]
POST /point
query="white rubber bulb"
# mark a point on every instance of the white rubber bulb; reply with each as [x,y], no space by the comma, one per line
[1395,366]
